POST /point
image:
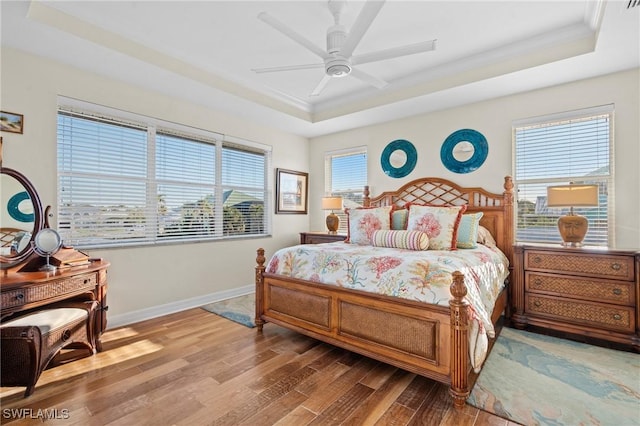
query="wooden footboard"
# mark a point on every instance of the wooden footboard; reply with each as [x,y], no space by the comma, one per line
[428,340]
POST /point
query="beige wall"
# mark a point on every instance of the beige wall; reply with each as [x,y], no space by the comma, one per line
[493,119]
[143,282]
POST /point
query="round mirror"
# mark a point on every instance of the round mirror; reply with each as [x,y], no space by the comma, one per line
[398,158]
[463,151]
[46,243]
[20,217]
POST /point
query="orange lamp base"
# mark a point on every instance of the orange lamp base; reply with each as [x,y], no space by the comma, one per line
[572,229]
[332,223]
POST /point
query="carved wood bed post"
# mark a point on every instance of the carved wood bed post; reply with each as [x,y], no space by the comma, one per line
[366,201]
[508,220]
[459,341]
[260,259]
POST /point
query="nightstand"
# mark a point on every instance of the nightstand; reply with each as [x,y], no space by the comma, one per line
[320,237]
[588,291]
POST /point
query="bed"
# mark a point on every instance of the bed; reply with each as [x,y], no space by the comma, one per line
[432,340]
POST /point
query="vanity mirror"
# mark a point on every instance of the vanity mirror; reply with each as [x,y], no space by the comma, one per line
[21,217]
[47,242]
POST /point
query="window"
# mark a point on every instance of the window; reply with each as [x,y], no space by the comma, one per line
[574,147]
[123,182]
[346,175]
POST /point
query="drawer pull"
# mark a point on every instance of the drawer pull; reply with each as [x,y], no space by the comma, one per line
[617,317]
[537,281]
[616,266]
[537,259]
[537,303]
[19,296]
[86,280]
[617,291]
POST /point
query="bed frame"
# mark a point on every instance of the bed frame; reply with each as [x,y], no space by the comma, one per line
[428,340]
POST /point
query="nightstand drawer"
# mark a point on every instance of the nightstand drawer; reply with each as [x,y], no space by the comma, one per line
[596,265]
[320,237]
[612,317]
[609,291]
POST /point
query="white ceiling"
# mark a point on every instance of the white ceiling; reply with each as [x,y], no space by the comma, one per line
[204,51]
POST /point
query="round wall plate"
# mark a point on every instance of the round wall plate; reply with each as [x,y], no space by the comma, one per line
[399,158]
[20,207]
[464,151]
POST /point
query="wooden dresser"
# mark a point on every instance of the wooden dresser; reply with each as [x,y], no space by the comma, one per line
[23,291]
[592,292]
[320,237]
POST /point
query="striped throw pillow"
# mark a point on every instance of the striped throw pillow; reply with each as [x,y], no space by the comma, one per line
[409,240]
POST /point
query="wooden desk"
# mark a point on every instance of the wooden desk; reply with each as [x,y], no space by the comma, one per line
[24,291]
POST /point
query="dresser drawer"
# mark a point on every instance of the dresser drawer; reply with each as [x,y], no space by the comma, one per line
[609,291]
[54,289]
[611,317]
[596,265]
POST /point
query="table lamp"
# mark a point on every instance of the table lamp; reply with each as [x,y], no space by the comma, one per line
[572,227]
[332,203]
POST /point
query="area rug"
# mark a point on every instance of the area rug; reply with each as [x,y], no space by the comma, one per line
[534,379]
[240,309]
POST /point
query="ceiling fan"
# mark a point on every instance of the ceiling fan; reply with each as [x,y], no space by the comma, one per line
[339,60]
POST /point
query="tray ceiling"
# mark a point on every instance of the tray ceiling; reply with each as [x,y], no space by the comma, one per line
[204,51]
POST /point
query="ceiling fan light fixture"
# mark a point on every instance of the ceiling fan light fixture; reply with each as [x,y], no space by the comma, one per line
[338,67]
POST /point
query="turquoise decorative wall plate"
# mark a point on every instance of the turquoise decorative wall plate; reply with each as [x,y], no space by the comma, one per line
[393,167]
[464,151]
[15,204]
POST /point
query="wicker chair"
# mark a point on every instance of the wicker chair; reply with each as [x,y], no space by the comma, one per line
[30,342]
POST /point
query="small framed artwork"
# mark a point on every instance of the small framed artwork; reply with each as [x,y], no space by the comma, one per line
[291,192]
[11,122]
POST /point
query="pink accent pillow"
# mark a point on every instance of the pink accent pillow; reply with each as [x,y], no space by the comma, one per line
[440,223]
[408,240]
[363,222]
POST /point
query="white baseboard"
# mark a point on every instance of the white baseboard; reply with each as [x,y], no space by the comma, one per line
[114,321]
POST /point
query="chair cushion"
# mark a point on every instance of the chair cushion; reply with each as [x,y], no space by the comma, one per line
[48,319]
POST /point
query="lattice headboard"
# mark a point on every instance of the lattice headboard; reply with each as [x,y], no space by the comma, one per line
[497,208]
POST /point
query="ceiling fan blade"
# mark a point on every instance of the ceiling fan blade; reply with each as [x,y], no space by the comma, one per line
[363,22]
[368,78]
[394,52]
[320,87]
[270,20]
[288,68]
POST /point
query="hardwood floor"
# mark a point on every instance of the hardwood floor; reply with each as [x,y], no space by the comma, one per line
[196,368]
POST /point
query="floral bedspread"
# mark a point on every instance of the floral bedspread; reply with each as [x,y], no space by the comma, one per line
[417,275]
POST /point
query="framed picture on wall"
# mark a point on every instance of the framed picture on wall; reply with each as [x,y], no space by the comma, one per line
[291,192]
[11,122]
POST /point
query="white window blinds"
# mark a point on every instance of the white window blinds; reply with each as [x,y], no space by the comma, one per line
[574,147]
[346,176]
[122,183]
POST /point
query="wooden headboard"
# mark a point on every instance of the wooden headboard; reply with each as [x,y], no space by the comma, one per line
[497,208]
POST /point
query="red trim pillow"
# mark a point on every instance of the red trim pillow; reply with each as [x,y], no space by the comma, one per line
[363,222]
[440,223]
[409,240]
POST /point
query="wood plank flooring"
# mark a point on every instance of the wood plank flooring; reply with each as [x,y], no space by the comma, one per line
[196,368]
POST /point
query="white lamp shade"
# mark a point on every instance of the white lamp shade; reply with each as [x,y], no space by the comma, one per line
[332,203]
[572,196]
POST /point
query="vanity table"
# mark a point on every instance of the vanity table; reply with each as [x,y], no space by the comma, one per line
[24,291]
[24,287]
